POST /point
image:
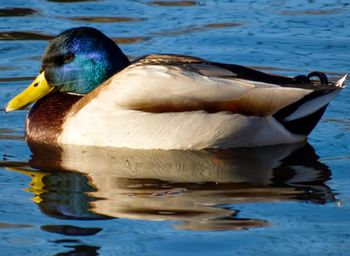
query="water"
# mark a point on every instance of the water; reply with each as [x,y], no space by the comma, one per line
[285,200]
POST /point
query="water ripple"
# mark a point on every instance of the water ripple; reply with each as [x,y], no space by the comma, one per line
[196,28]
[23,35]
[105,19]
[71,1]
[9,225]
[14,12]
[308,12]
[16,79]
[173,3]
[130,40]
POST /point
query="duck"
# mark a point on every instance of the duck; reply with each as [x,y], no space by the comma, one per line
[89,93]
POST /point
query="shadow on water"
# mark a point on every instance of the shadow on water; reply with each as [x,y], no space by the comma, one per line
[199,189]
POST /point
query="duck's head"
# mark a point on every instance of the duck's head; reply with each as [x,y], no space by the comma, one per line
[76,61]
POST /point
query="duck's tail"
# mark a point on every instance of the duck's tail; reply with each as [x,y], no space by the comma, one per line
[302,116]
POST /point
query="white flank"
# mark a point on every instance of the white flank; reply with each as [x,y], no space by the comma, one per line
[184,130]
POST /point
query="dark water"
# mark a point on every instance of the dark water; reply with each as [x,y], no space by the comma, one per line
[285,200]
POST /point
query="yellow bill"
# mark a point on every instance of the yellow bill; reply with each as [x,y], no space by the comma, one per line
[36,90]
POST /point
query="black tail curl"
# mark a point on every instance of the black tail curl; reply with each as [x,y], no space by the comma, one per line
[255,75]
[307,79]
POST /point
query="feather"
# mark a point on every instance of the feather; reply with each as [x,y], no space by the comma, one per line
[172,89]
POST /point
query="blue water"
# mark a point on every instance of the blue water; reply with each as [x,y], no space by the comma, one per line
[285,200]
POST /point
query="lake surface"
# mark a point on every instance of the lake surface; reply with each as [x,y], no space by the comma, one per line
[283,200]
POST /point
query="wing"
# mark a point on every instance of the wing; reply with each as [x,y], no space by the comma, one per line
[216,69]
[176,83]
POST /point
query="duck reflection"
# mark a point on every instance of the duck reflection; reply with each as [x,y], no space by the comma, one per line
[80,250]
[197,188]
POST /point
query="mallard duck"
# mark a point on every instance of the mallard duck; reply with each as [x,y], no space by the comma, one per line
[89,93]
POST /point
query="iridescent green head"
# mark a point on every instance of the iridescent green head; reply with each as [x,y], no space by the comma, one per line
[76,61]
[80,59]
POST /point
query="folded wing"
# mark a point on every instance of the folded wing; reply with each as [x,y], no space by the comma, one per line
[175,83]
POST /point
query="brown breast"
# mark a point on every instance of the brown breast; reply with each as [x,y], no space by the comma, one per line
[45,119]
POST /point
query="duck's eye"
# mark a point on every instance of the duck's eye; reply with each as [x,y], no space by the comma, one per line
[68,57]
